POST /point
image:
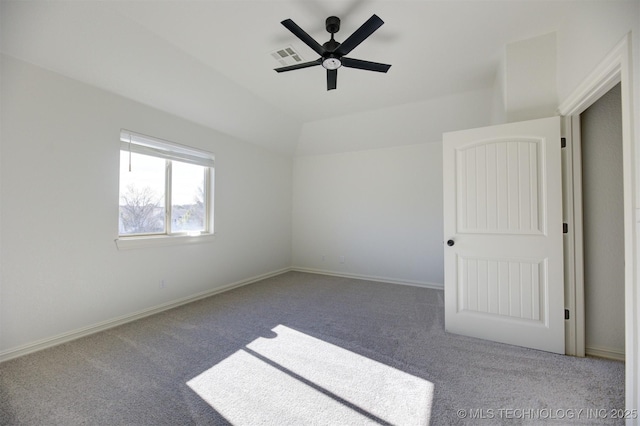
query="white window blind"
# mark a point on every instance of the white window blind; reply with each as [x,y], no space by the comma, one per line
[148,145]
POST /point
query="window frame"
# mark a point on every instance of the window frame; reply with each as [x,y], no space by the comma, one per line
[208,222]
[138,143]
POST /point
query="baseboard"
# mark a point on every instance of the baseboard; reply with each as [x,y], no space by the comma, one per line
[435,286]
[609,353]
[105,325]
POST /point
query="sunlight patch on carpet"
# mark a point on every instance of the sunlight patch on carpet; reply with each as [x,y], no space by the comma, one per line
[295,378]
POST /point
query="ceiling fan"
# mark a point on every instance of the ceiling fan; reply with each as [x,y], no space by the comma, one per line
[332,54]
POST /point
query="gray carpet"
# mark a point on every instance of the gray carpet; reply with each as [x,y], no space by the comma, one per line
[304,349]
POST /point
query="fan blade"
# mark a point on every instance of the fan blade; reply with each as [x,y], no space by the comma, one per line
[332,79]
[364,65]
[360,35]
[299,66]
[302,35]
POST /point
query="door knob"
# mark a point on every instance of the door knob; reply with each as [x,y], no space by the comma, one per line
[450,243]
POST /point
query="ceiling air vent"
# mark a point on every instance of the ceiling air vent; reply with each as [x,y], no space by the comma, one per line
[286,56]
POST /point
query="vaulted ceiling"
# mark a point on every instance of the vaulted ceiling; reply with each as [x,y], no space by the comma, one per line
[210,61]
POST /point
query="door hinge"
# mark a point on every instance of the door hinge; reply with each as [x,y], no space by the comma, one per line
[565,228]
[563,142]
[566,314]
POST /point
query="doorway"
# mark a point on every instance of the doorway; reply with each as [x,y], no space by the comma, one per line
[603,226]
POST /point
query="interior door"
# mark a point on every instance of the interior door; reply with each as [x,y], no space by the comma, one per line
[503,234]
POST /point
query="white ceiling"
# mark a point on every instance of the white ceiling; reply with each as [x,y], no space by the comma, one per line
[210,62]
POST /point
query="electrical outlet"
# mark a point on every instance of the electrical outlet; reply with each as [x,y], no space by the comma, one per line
[341,259]
[324,257]
[162,285]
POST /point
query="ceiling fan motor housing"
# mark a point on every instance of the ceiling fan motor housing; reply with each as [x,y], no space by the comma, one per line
[332,24]
[330,47]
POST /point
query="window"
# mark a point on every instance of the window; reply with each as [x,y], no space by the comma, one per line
[165,188]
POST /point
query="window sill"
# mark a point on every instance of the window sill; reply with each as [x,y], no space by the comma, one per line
[128,243]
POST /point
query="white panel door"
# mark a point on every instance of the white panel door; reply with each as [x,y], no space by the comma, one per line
[503,234]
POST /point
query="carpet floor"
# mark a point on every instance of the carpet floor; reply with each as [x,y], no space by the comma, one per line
[300,349]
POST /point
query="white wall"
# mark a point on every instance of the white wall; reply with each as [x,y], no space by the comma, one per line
[588,34]
[499,102]
[526,85]
[381,209]
[530,78]
[406,124]
[61,270]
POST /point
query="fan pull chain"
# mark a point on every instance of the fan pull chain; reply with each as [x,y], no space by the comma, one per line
[129,152]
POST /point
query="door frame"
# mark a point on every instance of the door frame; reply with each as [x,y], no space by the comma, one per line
[613,69]
[573,239]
